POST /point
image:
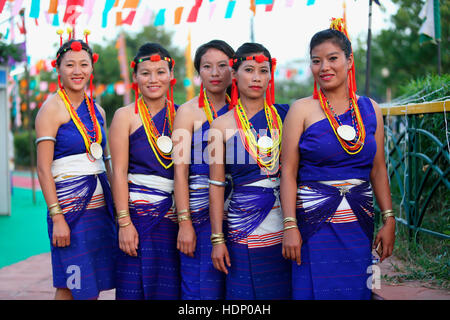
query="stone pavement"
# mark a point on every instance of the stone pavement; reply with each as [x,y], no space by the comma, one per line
[31,279]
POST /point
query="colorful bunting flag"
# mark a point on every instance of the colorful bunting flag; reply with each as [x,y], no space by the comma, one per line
[108,6]
[2,5]
[160,18]
[178,13]
[35,9]
[194,11]
[53,7]
[230,9]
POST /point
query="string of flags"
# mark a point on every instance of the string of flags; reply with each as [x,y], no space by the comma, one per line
[68,12]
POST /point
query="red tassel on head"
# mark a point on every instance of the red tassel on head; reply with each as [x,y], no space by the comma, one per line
[135,87]
[91,89]
[54,63]
[170,95]
[268,96]
[59,82]
[95,57]
[201,97]
[315,92]
[272,80]
[234,94]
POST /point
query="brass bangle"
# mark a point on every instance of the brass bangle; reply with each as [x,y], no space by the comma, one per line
[384,212]
[54,209]
[183,211]
[289,219]
[124,225]
[387,215]
[184,218]
[217,235]
[218,242]
[122,214]
[290,227]
[53,205]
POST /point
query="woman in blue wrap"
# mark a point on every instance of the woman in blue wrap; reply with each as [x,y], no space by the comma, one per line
[245,143]
[141,147]
[333,159]
[199,279]
[71,149]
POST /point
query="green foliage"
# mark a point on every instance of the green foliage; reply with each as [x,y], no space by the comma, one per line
[7,51]
[398,49]
[289,91]
[22,147]
[426,256]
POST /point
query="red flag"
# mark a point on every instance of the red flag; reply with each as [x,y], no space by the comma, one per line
[71,14]
[269,7]
[2,4]
[194,11]
[130,18]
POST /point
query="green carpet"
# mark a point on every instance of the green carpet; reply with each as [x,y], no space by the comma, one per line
[24,233]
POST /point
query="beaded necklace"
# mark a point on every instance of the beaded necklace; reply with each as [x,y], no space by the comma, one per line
[208,107]
[92,143]
[352,145]
[160,144]
[265,150]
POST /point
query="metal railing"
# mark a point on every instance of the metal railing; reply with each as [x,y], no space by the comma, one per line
[418,163]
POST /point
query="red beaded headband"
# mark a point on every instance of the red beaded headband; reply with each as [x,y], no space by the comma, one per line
[135,87]
[259,58]
[75,46]
[153,58]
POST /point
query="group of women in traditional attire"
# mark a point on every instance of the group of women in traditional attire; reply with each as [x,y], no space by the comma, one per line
[228,196]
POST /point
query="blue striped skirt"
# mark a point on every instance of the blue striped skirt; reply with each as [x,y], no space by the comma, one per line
[199,279]
[154,273]
[336,257]
[257,273]
[86,267]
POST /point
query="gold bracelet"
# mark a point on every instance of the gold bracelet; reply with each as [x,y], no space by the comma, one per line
[183,211]
[54,210]
[53,205]
[289,219]
[184,218]
[217,235]
[290,227]
[214,243]
[386,214]
[124,225]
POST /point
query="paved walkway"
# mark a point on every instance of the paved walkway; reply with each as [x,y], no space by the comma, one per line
[31,279]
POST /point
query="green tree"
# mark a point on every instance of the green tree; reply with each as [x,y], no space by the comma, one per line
[398,50]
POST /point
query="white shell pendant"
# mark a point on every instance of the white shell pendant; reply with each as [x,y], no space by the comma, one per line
[265,142]
[96,150]
[164,144]
[346,132]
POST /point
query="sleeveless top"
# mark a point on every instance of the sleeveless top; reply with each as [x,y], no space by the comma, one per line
[322,157]
[69,140]
[238,162]
[199,155]
[142,159]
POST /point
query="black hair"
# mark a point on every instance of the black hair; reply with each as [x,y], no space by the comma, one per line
[213,44]
[149,49]
[334,36]
[248,49]
[66,47]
